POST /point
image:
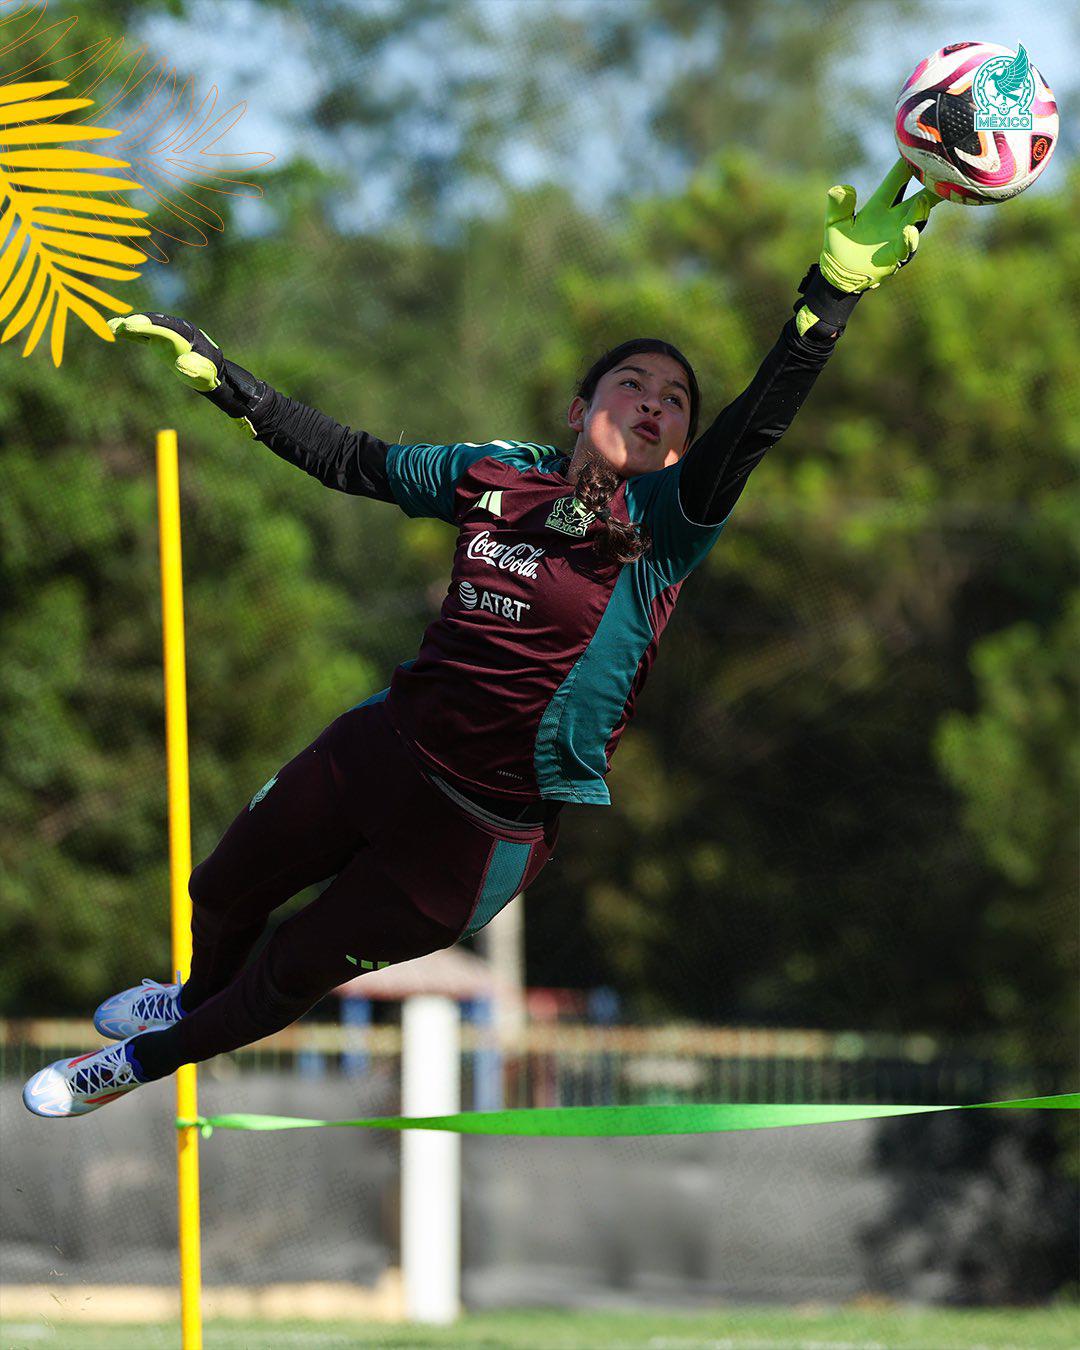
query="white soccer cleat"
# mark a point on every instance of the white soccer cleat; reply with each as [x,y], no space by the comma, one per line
[72,1087]
[147,1007]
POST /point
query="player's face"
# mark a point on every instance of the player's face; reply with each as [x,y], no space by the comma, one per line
[639,415]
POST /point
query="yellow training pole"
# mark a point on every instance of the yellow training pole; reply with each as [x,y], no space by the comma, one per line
[187,1137]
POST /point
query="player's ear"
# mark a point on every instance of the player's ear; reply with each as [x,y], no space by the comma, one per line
[575,414]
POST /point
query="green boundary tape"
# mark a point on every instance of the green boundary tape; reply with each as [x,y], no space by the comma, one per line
[611,1122]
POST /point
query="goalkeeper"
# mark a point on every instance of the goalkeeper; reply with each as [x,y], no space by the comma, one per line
[431,804]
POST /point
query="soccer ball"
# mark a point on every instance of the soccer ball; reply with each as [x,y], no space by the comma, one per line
[976,122]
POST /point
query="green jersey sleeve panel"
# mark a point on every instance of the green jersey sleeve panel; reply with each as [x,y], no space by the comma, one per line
[423,477]
[678,544]
[570,755]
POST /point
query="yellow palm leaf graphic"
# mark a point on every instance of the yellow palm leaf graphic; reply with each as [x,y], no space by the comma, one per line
[58,221]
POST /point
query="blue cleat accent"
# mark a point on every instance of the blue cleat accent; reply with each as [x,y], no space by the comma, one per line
[74,1087]
[147,1007]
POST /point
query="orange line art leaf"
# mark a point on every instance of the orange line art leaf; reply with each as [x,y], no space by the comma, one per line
[63,216]
[169,137]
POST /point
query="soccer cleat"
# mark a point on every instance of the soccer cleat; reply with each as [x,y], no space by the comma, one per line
[147,1007]
[73,1087]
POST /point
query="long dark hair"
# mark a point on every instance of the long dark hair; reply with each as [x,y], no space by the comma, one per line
[597,481]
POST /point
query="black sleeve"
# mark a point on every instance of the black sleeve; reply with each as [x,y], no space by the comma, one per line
[350,461]
[717,465]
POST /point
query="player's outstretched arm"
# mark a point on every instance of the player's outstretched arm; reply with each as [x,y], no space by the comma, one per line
[859,252]
[350,461]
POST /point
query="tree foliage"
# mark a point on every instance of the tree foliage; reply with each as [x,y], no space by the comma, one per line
[846,798]
[802,830]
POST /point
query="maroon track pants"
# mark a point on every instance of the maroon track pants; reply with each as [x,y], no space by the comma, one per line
[412,872]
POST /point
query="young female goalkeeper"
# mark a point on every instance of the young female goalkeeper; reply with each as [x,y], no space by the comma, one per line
[432,803]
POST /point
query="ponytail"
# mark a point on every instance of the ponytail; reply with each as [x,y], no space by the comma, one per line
[619,542]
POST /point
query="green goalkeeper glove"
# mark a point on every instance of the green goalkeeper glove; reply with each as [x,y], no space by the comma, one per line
[861,251]
[198,360]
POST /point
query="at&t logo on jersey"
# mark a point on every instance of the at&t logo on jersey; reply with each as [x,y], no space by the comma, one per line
[494,603]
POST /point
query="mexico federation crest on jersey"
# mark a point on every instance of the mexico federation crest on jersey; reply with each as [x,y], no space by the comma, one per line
[570,517]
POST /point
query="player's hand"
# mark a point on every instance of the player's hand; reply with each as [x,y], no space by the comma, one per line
[197,359]
[861,250]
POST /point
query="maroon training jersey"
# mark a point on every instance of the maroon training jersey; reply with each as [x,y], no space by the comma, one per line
[528,677]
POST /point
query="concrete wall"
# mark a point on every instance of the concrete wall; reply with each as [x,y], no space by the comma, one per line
[768,1215]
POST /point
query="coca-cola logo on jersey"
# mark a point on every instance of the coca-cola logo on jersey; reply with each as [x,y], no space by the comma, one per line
[521,559]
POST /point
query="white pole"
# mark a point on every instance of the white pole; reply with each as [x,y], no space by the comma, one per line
[502,943]
[431,1161]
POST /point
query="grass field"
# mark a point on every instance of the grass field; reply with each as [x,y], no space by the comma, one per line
[729,1329]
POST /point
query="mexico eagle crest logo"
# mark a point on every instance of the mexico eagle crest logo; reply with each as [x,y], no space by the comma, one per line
[569,517]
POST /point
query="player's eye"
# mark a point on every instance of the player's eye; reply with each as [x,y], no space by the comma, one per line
[629,379]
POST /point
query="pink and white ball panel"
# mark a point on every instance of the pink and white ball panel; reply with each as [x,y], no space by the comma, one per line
[935,130]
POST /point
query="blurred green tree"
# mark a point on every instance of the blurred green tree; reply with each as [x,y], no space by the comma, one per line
[806,829]
[785,846]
